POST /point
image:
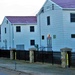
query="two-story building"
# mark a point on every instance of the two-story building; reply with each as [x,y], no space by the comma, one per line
[20,32]
[53,29]
[56,20]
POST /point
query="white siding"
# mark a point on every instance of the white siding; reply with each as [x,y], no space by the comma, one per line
[25,36]
[6,36]
[69,28]
[18,38]
[55,27]
[60,26]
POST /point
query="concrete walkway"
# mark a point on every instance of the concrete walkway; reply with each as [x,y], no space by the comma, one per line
[36,68]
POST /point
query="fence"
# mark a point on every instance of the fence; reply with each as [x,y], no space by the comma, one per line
[43,56]
[56,57]
[48,57]
[73,59]
[22,55]
[39,56]
[5,53]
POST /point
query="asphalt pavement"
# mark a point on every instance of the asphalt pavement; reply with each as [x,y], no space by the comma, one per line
[1,73]
[35,68]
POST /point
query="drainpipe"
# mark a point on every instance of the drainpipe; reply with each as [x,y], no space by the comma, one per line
[40,29]
[12,35]
[9,37]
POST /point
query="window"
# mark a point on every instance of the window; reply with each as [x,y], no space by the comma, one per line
[42,37]
[7,21]
[54,36]
[20,47]
[48,20]
[42,10]
[31,28]
[5,30]
[52,6]
[18,29]
[72,17]
[72,35]
[32,42]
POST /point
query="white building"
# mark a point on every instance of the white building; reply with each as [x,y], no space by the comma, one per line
[53,29]
[20,32]
[56,20]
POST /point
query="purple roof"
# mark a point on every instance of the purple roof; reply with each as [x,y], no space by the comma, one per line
[65,3]
[22,19]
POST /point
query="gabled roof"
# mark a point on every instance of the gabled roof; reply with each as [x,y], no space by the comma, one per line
[22,19]
[65,3]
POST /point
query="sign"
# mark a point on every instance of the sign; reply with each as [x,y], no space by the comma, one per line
[48,36]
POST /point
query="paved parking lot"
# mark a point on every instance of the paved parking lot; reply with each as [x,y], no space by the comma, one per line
[36,68]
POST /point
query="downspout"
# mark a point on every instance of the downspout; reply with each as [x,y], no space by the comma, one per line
[9,37]
[12,36]
[40,29]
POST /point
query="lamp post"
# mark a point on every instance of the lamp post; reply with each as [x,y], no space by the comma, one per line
[14,52]
[15,59]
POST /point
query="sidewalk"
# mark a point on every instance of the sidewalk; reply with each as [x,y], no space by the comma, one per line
[36,68]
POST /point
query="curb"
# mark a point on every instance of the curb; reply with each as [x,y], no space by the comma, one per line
[20,72]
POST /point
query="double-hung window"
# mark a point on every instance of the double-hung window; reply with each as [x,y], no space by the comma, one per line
[48,20]
[31,28]
[5,30]
[18,29]
[32,42]
[72,17]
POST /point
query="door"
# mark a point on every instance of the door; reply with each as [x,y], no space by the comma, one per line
[49,44]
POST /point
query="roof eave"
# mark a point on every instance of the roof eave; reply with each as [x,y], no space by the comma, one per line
[24,23]
[73,9]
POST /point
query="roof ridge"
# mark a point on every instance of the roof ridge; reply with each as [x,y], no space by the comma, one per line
[20,16]
[65,3]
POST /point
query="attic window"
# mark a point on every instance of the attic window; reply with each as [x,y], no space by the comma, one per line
[48,7]
[52,6]
[7,22]
[42,10]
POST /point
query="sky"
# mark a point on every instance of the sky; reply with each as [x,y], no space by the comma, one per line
[19,8]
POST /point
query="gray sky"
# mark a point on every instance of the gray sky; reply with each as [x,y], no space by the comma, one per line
[19,8]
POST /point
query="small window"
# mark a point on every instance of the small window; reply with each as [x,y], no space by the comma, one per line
[31,28]
[52,6]
[6,21]
[18,29]
[42,37]
[54,36]
[42,10]
[72,35]
[48,20]
[5,31]
[32,42]
[72,17]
